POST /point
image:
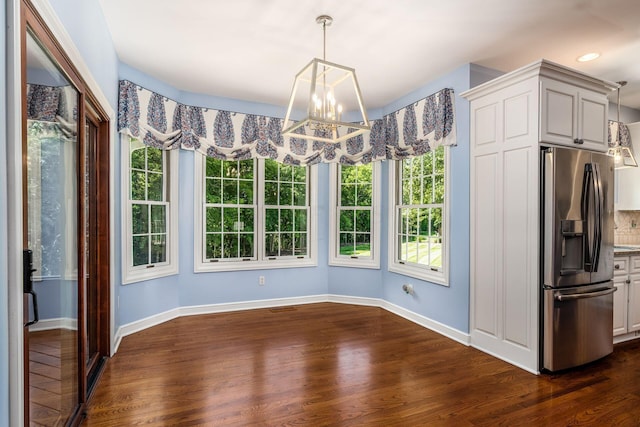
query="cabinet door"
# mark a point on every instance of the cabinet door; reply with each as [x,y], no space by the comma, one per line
[573,117]
[620,297]
[592,120]
[559,112]
[634,303]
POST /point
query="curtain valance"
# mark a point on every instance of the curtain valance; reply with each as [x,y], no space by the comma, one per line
[54,108]
[163,123]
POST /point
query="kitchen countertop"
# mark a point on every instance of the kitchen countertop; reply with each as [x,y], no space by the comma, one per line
[625,250]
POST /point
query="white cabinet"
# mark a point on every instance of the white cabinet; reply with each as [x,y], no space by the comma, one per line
[626,299]
[627,188]
[573,116]
[509,117]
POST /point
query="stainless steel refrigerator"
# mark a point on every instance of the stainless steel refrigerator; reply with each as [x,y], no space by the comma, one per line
[577,257]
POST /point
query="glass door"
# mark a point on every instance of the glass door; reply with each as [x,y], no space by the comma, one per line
[51,202]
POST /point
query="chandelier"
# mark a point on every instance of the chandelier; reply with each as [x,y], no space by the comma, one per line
[324,91]
[621,153]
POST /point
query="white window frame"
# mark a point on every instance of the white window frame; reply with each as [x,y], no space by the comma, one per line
[131,274]
[334,205]
[414,270]
[261,262]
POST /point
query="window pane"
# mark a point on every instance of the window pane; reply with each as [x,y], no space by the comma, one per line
[214,167]
[347,220]
[300,174]
[286,244]
[416,190]
[363,245]
[427,161]
[213,246]
[140,218]
[230,169]
[428,189]
[300,220]
[286,173]
[364,194]
[286,220]
[405,189]
[271,245]
[347,242]
[271,220]
[230,247]
[246,169]
[285,198]
[214,219]
[246,217]
[158,248]
[138,158]
[138,185]
[271,193]
[270,170]
[229,191]
[158,219]
[439,189]
[154,159]
[246,193]
[348,195]
[140,250]
[246,245]
[300,194]
[229,219]
[214,190]
[363,220]
[300,244]
[155,186]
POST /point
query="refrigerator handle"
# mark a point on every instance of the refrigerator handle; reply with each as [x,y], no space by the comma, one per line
[599,208]
[587,189]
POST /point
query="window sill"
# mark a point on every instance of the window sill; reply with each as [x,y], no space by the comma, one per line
[210,267]
[437,277]
[355,263]
[140,275]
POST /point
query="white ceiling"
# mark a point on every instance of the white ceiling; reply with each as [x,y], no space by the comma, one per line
[251,49]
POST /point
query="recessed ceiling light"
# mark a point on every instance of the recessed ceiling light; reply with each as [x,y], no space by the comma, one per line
[588,57]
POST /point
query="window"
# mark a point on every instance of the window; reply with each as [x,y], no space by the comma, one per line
[150,241]
[419,216]
[354,216]
[253,214]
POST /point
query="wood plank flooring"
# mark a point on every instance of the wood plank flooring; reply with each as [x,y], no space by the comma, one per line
[343,365]
[53,377]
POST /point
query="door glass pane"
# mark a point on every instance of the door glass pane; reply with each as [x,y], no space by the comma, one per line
[52,229]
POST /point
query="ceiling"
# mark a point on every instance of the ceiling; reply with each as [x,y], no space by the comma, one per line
[252,49]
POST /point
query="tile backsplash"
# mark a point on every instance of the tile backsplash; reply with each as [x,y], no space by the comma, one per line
[627,230]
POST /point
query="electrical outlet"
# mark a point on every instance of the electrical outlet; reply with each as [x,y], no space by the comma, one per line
[261,280]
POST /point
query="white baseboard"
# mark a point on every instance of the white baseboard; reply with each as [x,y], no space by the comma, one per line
[626,337]
[194,310]
[59,323]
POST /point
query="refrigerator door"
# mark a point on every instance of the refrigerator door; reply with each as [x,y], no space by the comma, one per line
[565,230]
[577,199]
[578,325]
[602,270]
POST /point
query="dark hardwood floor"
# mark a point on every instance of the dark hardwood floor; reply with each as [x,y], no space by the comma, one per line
[343,365]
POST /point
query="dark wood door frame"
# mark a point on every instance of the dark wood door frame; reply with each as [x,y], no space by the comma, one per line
[88,107]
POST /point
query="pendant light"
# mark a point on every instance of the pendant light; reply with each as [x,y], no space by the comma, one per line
[620,143]
[322,91]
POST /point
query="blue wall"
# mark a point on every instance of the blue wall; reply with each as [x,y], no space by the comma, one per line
[449,305]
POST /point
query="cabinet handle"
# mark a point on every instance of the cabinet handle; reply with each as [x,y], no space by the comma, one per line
[617,266]
[578,141]
[627,281]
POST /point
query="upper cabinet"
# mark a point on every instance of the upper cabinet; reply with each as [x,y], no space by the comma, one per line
[628,191]
[573,116]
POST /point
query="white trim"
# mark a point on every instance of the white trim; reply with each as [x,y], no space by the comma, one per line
[343,261]
[14,213]
[626,337]
[67,323]
[171,267]
[194,310]
[200,266]
[422,273]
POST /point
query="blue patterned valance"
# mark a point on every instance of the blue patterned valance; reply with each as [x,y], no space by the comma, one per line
[163,123]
